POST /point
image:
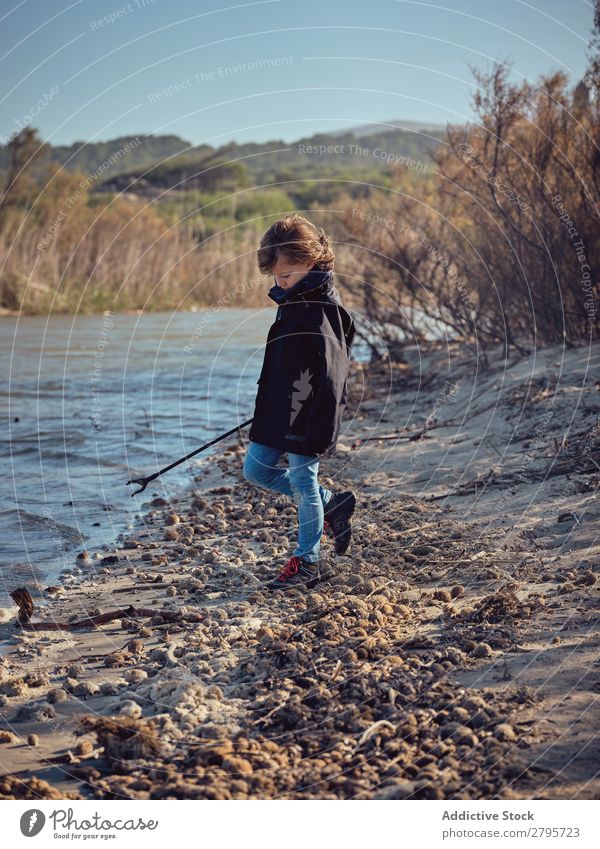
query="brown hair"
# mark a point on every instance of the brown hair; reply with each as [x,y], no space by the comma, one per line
[298,240]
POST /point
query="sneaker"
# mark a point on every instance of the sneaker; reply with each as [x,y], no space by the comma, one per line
[296,572]
[337,522]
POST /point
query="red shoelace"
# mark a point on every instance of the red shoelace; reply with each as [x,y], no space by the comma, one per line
[290,568]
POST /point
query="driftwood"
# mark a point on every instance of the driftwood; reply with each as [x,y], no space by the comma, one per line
[412,437]
[24,601]
[577,455]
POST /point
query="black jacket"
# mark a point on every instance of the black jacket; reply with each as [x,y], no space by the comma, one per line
[303,382]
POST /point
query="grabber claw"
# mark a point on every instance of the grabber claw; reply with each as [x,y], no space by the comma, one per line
[143,483]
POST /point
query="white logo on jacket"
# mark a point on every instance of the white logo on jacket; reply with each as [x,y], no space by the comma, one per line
[302,389]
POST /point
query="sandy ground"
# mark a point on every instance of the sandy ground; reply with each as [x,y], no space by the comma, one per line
[453,654]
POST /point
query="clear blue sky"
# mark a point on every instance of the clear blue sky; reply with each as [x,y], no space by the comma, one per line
[339,63]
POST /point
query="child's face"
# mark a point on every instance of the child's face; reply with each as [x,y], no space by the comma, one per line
[288,272]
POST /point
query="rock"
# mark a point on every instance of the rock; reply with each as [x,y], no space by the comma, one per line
[423,550]
[314,599]
[504,732]
[56,695]
[36,679]
[482,650]
[239,766]
[460,714]
[459,733]
[397,790]
[172,519]
[109,688]
[14,687]
[8,737]
[33,740]
[109,560]
[135,676]
[131,709]
[587,578]
[84,748]
[81,689]
[40,711]
[171,534]
[116,659]
[442,595]
[136,647]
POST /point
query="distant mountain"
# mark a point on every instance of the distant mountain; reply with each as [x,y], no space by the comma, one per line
[149,164]
[412,126]
[141,150]
[89,156]
[319,156]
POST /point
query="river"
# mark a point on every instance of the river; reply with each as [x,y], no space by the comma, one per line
[90,401]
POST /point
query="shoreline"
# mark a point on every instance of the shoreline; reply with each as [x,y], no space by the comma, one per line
[6,313]
[451,655]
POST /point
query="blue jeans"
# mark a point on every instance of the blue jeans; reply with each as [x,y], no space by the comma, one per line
[299,482]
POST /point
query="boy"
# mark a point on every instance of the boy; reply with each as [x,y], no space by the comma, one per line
[302,391]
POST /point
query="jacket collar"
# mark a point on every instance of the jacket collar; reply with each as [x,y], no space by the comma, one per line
[317,281]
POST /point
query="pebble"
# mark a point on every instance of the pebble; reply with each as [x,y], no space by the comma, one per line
[82,689]
[482,650]
[131,709]
[8,737]
[505,732]
[172,519]
[84,748]
[56,695]
[135,676]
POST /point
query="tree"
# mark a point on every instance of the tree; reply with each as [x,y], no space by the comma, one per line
[27,152]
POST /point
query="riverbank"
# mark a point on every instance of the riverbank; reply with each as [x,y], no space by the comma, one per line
[453,654]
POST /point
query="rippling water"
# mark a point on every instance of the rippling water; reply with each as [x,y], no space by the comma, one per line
[89,401]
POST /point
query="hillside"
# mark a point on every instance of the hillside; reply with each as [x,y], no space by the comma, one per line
[172,161]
